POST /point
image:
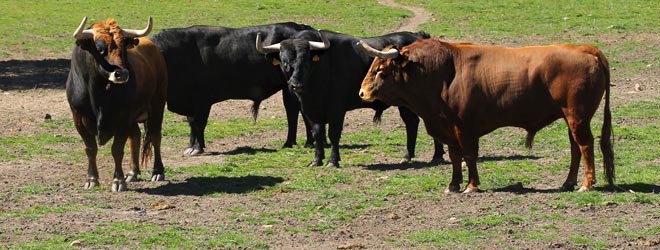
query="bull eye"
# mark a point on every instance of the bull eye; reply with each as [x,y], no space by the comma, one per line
[380,73]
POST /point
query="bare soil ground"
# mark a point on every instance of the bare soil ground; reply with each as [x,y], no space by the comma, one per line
[33,89]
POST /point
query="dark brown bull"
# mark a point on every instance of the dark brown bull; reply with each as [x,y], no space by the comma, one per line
[117,79]
[464,91]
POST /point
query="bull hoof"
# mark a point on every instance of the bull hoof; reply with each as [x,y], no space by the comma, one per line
[91,183]
[332,164]
[196,152]
[158,177]
[287,145]
[118,185]
[405,160]
[584,189]
[187,151]
[309,145]
[131,177]
[452,189]
[438,160]
[315,163]
[567,187]
[471,190]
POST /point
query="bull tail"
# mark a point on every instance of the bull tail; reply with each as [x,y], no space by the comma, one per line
[146,145]
[606,132]
[255,110]
[529,141]
[378,116]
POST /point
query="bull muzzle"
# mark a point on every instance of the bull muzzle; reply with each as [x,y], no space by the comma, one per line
[366,95]
[119,76]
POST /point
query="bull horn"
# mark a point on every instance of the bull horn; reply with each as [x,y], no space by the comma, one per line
[320,45]
[81,32]
[268,49]
[139,33]
[391,53]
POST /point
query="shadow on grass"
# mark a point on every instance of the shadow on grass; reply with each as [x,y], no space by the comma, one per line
[508,158]
[418,165]
[404,166]
[343,146]
[518,188]
[200,186]
[32,74]
[639,188]
[623,188]
[354,146]
[248,150]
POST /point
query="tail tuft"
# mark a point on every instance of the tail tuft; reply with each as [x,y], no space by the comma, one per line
[255,110]
[529,141]
[378,116]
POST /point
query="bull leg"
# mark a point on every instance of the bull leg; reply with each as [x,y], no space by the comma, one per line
[411,120]
[134,144]
[292,108]
[471,155]
[91,149]
[118,182]
[334,132]
[438,152]
[309,142]
[318,131]
[456,157]
[197,125]
[585,140]
[571,180]
[153,132]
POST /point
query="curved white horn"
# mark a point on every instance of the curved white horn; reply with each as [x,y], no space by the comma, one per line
[81,32]
[320,45]
[391,53]
[139,33]
[268,49]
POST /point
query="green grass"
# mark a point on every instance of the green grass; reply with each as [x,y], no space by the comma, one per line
[150,236]
[518,19]
[448,238]
[37,28]
[175,125]
[23,147]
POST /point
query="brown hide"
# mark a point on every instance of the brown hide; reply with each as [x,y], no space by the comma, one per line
[464,91]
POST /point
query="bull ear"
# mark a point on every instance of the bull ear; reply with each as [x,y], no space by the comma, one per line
[403,59]
[135,41]
[276,62]
[316,58]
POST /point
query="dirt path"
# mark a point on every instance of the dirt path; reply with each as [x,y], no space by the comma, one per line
[420,16]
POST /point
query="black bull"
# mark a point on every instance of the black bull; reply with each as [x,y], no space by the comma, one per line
[207,64]
[326,76]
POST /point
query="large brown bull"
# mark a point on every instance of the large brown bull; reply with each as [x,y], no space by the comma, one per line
[117,79]
[464,91]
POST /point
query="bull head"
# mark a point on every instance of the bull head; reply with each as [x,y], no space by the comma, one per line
[377,84]
[273,48]
[111,43]
[296,57]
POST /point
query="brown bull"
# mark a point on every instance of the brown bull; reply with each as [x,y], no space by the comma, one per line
[117,79]
[464,91]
